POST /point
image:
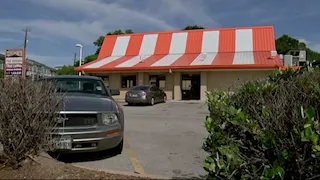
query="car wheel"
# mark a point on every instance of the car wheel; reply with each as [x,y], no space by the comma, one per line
[118,149]
[152,101]
[164,98]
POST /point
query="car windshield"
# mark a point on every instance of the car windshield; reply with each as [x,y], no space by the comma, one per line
[74,85]
[143,88]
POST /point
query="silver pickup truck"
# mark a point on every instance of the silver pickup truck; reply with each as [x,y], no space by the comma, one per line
[90,120]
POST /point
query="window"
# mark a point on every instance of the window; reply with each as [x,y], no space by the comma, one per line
[186,85]
[128,81]
[105,80]
[143,88]
[79,85]
[158,80]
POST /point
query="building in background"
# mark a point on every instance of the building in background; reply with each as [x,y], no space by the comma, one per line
[186,64]
[35,70]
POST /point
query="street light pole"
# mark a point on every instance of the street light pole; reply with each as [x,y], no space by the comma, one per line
[80,54]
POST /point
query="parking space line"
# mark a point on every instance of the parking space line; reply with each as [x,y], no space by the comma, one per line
[133,158]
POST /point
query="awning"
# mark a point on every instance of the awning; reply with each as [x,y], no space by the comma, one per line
[235,48]
[248,60]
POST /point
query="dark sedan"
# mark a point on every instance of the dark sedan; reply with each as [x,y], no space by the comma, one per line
[145,94]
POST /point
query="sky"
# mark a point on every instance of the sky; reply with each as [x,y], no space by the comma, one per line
[58,25]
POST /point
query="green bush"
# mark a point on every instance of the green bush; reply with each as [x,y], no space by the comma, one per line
[267,129]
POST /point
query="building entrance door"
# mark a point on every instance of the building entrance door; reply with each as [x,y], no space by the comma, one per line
[190,86]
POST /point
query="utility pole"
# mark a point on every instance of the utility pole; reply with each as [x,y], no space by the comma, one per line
[24,64]
[74,61]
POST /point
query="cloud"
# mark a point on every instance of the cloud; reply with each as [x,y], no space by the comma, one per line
[128,12]
[313,45]
[63,23]
[95,19]
[83,32]
[92,18]
[189,10]
[303,40]
[9,40]
[51,61]
[284,17]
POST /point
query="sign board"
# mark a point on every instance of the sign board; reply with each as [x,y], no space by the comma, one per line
[14,62]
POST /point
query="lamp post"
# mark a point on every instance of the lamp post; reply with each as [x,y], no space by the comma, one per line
[80,54]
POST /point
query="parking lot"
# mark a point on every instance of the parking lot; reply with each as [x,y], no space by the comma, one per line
[164,139]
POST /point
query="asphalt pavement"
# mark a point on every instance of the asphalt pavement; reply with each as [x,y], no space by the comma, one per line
[165,140]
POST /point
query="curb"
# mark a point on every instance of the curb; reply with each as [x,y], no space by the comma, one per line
[126,173]
[176,101]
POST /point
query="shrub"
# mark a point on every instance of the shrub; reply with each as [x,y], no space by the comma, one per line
[267,129]
[27,110]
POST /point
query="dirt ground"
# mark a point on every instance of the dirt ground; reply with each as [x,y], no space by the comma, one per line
[45,167]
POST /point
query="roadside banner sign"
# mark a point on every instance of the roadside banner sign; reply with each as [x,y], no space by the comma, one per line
[14,62]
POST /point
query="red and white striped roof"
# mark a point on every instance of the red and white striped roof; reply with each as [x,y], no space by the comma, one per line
[249,47]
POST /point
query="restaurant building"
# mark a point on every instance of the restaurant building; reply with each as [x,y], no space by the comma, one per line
[186,64]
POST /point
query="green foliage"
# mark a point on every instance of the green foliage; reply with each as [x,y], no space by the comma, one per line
[1,74]
[266,129]
[87,59]
[286,43]
[192,27]
[98,43]
[312,55]
[66,70]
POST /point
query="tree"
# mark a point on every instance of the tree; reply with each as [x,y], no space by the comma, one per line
[100,40]
[1,74]
[193,27]
[87,59]
[286,43]
[98,43]
[66,70]
[312,55]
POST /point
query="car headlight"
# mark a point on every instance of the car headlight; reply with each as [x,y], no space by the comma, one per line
[110,119]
